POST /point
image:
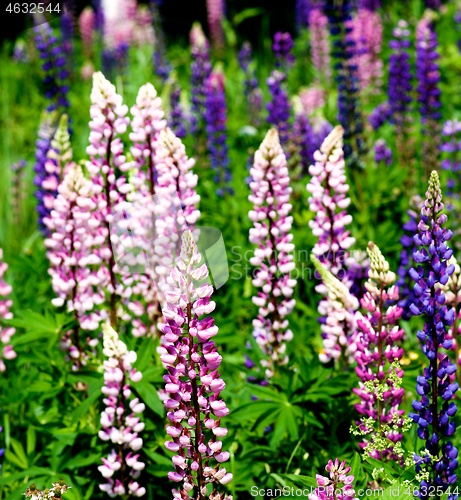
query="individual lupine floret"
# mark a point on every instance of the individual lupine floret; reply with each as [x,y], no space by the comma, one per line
[434,412]
[273,259]
[148,121]
[215,10]
[201,70]
[329,201]
[216,128]
[108,122]
[320,44]
[379,349]
[339,486]
[428,76]
[6,332]
[72,225]
[193,383]
[120,421]
[339,326]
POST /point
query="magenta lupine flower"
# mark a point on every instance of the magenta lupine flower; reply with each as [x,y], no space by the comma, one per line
[338,323]
[86,23]
[367,31]
[379,346]
[120,421]
[193,383]
[148,121]
[6,332]
[329,201]
[273,257]
[108,123]
[71,247]
[320,45]
[216,10]
[339,486]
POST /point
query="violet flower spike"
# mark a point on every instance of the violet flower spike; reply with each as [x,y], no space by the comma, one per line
[193,383]
[6,332]
[434,412]
[120,421]
[271,232]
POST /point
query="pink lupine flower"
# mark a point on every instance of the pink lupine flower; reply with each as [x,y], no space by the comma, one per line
[367,31]
[120,420]
[86,23]
[271,232]
[339,328]
[108,123]
[6,332]
[71,247]
[339,486]
[193,384]
[312,99]
[320,44]
[215,21]
[379,347]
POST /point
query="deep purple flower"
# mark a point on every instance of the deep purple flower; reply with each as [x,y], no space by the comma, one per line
[279,107]
[434,411]
[380,115]
[177,120]
[282,46]
[382,152]
[305,139]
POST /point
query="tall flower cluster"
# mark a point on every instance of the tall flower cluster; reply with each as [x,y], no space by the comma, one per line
[201,70]
[434,412]
[279,106]
[328,201]
[339,486]
[379,348]
[344,54]
[338,324]
[451,151]
[54,68]
[6,332]
[177,119]
[320,44]
[273,257]
[304,137]
[71,251]
[367,31]
[86,23]
[162,67]
[193,383]
[282,47]
[428,76]
[215,120]
[120,421]
[108,123]
[216,10]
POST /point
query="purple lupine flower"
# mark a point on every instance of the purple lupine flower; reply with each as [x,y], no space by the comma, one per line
[6,332]
[193,383]
[282,47]
[54,67]
[380,115]
[328,201]
[379,347]
[252,91]
[17,190]
[177,119]
[67,35]
[428,76]
[451,151]
[304,137]
[382,152]
[215,10]
[216,128]
[271,232]
[433,4]
[404,281]
[120,421]
[336,487]
[457,20]
[279,107]
[370,5]
[200,72]
[320,44]
[344,50]
[303,9]
[72,226]
[434,411]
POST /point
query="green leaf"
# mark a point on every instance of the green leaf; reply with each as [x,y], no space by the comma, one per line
[247,14]
[149,396]
[31,439]
[20,453]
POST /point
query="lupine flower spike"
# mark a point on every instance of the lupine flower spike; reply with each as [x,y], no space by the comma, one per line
[120,421]
[193,383]
[270,187]
[433,413]
[320,45]
[379,349]
[215,10]
[6,332]
[339,486]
